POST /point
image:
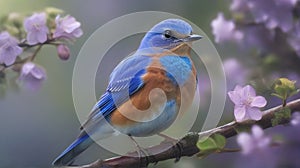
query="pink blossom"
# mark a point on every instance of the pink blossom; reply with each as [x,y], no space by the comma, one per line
[32,75]
[251,142]
[9,49]
[67,28]
[224,30]
[36,28]
[295,119]
[247,104]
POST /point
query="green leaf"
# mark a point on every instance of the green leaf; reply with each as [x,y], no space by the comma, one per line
[220,140]
[280,90]
[283,114]
[207,144]
[3,20]
[53,12]
[288,83]
[294,92]
[212,143]
[275,122]
[284,88]
[277,95]
[286,113]
[15,20]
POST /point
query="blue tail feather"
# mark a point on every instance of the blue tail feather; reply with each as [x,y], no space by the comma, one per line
[77,147]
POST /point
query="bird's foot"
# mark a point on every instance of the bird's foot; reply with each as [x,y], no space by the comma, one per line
[179,150]
[142,154]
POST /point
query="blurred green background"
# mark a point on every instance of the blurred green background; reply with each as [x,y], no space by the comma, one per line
[37,126]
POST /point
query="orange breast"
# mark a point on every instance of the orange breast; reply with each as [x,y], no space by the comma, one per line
[139,104]
[140,109]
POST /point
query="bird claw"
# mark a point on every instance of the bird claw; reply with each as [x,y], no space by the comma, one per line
[143,157]
[178,154]
[144,160]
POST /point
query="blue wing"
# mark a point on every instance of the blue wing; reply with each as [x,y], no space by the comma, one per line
[125,80]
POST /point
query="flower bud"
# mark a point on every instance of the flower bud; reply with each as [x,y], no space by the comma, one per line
[53,12]
[63,52]
[15,19]
[284,88]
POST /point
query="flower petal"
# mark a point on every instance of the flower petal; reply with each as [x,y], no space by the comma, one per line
[32,38]
[38,73]
[36,28]
[67,28]
[78,32]
[224,30]
[71,25]
[238,88]
[295,119]
[27,67]
[258,101]
[240,113]
[4,37]
[257,132]
[248,91]
[234,97]
[2,57]
[10,57]
[9,49]
[246,142]
[254,113]
[32,76]
[41,37]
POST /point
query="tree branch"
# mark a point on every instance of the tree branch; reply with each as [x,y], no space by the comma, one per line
[188,143]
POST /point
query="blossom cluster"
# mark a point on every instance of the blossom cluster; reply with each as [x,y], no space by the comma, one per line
[251,142]
[263,25]
[9,49]
[247,108]
[43,28]
[269,31]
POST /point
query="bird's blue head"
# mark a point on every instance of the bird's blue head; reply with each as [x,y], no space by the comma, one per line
[168,34]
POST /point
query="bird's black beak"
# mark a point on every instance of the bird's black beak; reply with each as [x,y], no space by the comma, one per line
[192,37]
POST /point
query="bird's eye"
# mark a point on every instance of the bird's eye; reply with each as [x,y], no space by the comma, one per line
[167,34]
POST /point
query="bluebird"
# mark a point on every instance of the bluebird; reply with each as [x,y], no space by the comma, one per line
[146,91]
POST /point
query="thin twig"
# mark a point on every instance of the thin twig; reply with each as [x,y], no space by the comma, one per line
[229,150]
[26,45]
[35,52]
[15,63]
[32,57]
